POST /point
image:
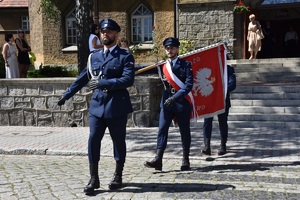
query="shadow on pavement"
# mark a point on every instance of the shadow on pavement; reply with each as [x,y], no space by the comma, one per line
[173,188]
[242,167]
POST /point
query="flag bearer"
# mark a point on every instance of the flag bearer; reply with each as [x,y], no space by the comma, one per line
[174,104]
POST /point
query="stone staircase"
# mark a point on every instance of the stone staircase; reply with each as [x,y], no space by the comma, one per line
[277,70]
[267,94]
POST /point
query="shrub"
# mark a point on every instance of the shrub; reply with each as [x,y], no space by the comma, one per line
[48,71]
[186,45]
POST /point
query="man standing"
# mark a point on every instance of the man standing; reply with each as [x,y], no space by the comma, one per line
[222,118]
[174,104]
[112,71]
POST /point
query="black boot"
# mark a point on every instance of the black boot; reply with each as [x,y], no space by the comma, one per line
[116,183]
[185,161]
[157,161]
[222,149]
[206,149]
[94,182]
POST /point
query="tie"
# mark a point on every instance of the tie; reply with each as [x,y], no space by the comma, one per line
[171,63]
[106,53]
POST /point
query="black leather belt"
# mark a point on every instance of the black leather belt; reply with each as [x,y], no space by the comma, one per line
[169,87]
[171,90]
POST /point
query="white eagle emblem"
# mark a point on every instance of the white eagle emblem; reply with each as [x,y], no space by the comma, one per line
[203,82]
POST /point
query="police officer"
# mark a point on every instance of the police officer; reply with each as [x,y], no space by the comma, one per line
[112,71]
[174,104]
[222,118]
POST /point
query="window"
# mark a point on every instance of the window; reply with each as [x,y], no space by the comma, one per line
[141,25]
[25,22]
[71,28]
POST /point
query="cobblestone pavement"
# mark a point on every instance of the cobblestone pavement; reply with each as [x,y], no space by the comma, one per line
[51,163]
[63,177]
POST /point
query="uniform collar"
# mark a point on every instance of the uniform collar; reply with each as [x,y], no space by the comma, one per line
[110,49]
[174,61]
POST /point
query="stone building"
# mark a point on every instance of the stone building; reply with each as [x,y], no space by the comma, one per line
[55,43]
[203,21]
[13,15]
[210,21]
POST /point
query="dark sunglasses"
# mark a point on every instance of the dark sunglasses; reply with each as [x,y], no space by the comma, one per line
[123,40]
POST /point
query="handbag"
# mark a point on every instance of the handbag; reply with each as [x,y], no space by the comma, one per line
[32,58]
[260,36]
[259,33]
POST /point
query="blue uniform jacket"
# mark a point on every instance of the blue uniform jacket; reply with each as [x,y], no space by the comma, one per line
[183,70]
[111,99]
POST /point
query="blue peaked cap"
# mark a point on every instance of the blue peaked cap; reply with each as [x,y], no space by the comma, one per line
[174,42]
[109,24]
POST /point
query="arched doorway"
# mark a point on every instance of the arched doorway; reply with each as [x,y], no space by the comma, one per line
[276,18]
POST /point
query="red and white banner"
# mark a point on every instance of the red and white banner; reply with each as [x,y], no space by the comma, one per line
[210,81]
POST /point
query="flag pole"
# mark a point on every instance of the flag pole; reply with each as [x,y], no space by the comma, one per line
[186,54]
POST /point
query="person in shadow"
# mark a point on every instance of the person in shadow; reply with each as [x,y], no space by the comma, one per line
[269,40]
[222,118]
[291,41]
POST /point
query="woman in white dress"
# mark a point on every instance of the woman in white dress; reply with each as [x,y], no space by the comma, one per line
[254,42]
[94,41]
[10,57]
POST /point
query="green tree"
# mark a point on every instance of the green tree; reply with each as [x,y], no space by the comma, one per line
[83,20]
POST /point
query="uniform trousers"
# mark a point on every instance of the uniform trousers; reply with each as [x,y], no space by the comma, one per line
[223,125]
[183,120]
[117,130]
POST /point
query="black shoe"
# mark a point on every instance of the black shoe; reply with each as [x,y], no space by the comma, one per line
[93,184]
[222,150]
[116,183]
[155,163]
[206,151]
[185,165]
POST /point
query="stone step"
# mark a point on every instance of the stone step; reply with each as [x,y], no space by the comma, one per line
[265,110]
[252,89]
[262,61]
[265,96]
[269,69]
[265,103]
[268,78]
[264,117]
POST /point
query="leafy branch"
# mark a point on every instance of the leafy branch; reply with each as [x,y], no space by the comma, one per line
[48,8]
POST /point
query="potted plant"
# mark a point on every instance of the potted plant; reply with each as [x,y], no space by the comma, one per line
[240,8]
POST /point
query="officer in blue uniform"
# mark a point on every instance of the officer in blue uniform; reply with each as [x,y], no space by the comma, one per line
[110,71]
[174,104]
[222,118]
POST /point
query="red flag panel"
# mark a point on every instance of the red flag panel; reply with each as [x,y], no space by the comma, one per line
[209,87]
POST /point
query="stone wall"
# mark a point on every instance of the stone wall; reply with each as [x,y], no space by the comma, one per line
[206,23]
[33,102]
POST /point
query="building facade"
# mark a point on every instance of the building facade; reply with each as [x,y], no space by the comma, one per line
[203,21]
[55,43]
[13,15]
